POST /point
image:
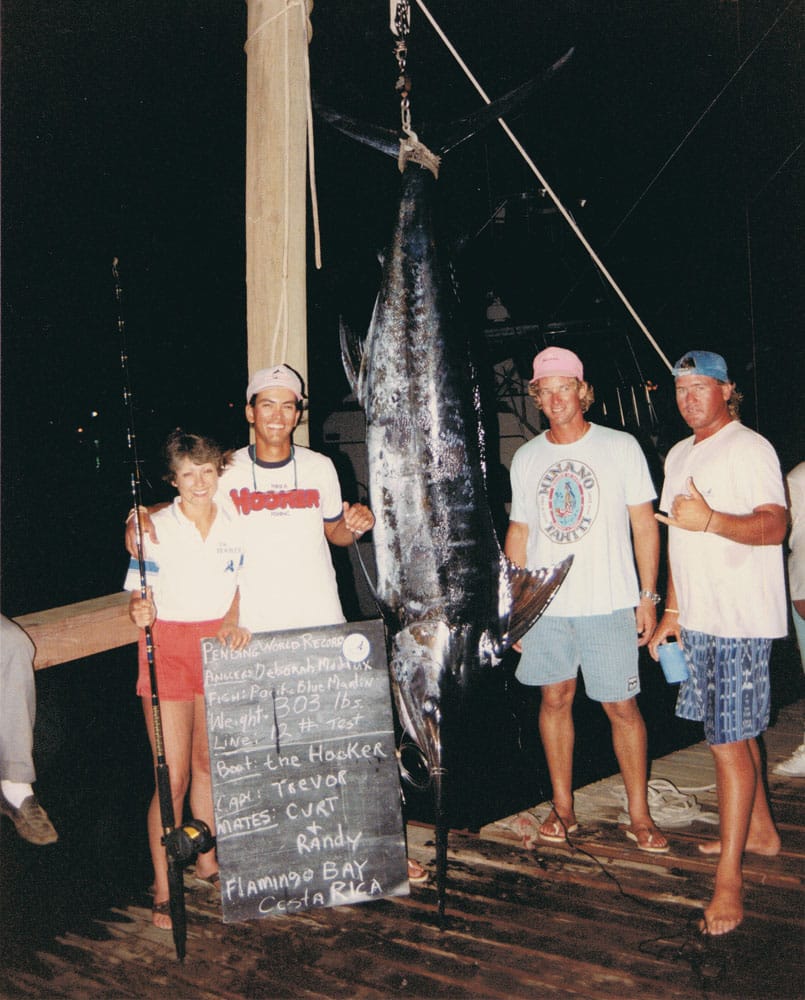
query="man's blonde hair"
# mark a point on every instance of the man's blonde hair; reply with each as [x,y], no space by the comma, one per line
[586,398]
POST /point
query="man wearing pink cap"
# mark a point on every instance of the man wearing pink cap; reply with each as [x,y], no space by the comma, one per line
[585,489]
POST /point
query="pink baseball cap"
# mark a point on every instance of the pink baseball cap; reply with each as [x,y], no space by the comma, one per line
[280,376]
[557,361]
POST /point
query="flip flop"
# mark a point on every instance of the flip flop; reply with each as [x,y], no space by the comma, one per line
[416,873]
[554,831]
[648,846]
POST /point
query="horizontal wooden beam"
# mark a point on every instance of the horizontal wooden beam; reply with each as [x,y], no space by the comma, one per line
[78,630]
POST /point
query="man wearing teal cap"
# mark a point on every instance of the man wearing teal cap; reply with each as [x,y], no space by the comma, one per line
[725,602]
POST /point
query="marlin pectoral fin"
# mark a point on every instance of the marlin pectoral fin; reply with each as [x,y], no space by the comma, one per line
[352,359]
[530,592]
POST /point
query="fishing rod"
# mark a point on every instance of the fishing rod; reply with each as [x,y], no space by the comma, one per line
[184,842]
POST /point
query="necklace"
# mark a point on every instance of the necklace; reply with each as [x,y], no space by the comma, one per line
[552,439]
[253,457]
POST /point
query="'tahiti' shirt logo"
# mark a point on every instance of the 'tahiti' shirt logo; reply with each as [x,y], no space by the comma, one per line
[567,501]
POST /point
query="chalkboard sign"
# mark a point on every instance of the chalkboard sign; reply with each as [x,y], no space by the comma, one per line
[304,773]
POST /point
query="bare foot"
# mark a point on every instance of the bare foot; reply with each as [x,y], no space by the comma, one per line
[769,846]
[160,915]
[726,909]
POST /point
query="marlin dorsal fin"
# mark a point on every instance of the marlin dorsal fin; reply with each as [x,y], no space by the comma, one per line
[352,358]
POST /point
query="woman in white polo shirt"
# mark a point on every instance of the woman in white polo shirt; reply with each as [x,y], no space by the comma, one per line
[192,593]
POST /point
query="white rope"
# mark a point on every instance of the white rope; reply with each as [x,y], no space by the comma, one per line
[669,806]
[273,18]
[549,190]
[311,153]
[281,325]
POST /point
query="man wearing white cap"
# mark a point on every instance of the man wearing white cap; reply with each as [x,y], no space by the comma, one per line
[290,507]
[725,602]
[585,489]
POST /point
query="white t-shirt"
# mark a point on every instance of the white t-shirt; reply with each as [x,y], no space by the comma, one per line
[288,580]
[575,499]
[722,587]
[796,540]
[194,579]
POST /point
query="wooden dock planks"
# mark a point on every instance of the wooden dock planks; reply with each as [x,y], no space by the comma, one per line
[601,921]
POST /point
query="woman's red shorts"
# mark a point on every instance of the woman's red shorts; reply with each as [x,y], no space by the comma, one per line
[177,655]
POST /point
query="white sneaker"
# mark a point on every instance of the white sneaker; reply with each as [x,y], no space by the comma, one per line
[793,766]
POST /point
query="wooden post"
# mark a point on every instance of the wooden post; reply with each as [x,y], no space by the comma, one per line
[279,32]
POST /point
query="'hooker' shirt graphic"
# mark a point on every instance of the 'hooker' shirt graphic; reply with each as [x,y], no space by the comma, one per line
[288,580]
[246,500]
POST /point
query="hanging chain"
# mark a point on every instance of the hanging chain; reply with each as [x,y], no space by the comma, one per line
[400,25]
[411,149]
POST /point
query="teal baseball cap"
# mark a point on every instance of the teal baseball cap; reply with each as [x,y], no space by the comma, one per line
[702,363]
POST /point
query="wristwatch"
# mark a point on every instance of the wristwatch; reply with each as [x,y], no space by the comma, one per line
[649,595]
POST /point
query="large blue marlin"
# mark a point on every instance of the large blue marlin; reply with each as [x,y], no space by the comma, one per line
[452,602]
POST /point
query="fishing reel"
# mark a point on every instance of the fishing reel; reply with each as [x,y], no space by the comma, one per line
[184,843]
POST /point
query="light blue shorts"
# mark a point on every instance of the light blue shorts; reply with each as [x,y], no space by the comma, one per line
[604,646]
[728,688]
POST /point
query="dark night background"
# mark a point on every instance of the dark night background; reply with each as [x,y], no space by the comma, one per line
[123,135]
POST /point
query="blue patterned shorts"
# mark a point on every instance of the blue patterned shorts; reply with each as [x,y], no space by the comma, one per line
[728,688]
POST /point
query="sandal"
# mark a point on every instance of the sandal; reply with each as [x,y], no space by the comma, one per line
[554,830]
[653,841]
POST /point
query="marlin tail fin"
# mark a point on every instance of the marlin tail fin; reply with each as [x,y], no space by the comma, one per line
[527,593]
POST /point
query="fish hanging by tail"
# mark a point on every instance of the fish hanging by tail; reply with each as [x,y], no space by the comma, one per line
[451,600]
